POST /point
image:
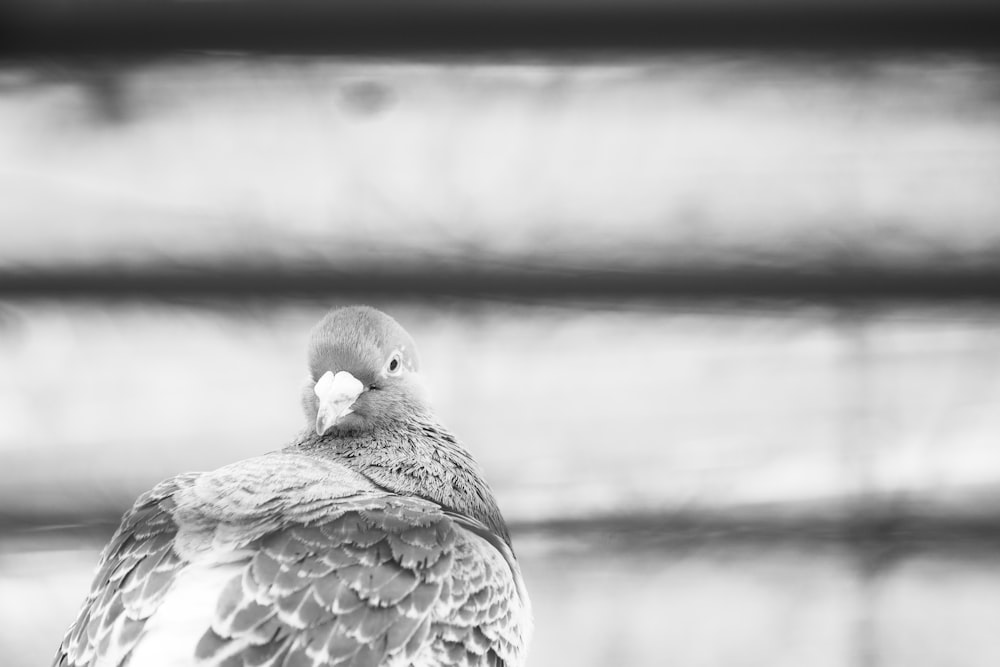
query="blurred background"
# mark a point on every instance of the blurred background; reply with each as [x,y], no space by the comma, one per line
[712,294]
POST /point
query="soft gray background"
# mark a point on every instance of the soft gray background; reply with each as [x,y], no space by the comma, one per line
[690,484]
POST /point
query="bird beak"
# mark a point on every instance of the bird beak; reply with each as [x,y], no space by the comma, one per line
[336,393]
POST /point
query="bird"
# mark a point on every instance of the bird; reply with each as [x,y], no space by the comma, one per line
[371,539]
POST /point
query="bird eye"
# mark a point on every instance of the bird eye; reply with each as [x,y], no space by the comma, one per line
[395,366]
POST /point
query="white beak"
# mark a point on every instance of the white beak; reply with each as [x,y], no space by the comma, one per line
[336,393]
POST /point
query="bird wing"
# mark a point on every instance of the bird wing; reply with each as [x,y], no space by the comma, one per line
[298,563]
[135,572]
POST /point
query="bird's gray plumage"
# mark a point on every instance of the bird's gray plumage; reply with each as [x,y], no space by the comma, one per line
[379,544]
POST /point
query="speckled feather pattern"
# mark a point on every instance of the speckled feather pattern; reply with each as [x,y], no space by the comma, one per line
[335,571]
[416,457]
[373,539]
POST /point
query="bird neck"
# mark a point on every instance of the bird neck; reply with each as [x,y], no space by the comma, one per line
[416,457]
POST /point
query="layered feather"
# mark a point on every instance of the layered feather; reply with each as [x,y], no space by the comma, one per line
[371,540]
[306,563]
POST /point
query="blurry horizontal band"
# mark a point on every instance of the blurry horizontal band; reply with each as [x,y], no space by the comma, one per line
[890,533]
[955,283]
[437,27]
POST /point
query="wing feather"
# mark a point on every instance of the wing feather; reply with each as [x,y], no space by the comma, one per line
[134,573]
[387,580]
[319,567]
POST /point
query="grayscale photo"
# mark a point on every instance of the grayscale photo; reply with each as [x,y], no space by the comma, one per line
[506,333]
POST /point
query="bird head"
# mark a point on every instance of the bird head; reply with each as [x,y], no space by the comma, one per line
[363,372]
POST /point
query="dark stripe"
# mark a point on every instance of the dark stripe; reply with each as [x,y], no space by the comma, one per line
[901,528]
[945,283]
[406,27]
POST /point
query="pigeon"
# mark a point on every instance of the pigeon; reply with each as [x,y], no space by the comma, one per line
[372,539]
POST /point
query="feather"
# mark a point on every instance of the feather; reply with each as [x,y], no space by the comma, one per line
[375,541]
